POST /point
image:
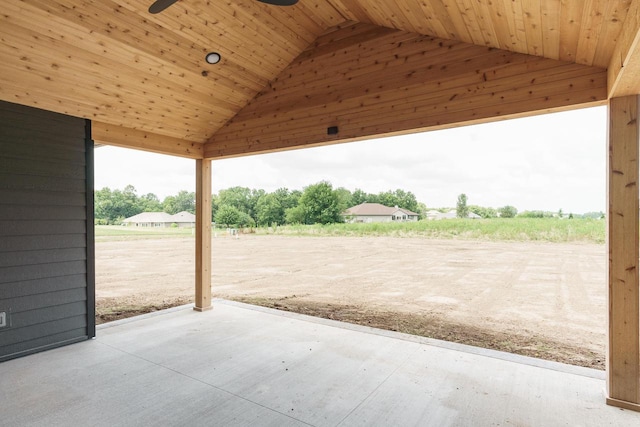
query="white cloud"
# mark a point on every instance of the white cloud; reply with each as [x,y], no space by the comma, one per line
[545,162]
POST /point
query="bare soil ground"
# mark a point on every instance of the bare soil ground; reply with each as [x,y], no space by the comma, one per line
[544,300]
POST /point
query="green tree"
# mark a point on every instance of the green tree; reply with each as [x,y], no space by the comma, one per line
[400,198]
[254,197]
[293,199]
[215,203]
[246,220]
[228,216]
[295,215]
[483,212]
[113,206]
[374,198]
[288,199]
[127,202]
[345,198]
[422,210]
[462,210]
[238,197]
[269,210]
[534,214]
[242,198]
[102,204]
[320,204]
[387,198]
[358,197]
[150,203]
[183,201]
[507,212]
[408,200]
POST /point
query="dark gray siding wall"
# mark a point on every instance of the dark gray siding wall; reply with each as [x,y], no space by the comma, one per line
[46,230]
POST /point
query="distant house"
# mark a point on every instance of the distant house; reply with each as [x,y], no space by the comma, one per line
[184,219]
[436,215]
[451,214]
[375,212]
[161,219]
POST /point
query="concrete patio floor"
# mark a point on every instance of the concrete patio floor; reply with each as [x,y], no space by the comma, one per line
[244,365]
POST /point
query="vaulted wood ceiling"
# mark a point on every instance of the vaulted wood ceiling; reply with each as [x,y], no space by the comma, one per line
[368,67]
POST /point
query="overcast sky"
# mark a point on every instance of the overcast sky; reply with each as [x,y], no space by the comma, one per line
[549,162]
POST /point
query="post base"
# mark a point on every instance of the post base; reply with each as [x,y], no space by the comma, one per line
[622,404]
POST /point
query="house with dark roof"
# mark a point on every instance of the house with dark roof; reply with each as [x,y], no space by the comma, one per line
[375,212]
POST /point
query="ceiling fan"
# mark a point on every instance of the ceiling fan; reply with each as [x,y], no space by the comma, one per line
[160,5]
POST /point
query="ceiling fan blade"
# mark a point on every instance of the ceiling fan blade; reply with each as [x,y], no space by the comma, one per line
[160,5]
[280,2]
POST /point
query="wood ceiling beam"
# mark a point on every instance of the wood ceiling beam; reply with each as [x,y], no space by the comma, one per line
[624,68]
[390,82]
[103,133]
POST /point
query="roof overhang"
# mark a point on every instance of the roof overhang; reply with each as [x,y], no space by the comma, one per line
[319,72]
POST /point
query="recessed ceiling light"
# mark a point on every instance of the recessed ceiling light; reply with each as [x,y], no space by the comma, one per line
[213,57]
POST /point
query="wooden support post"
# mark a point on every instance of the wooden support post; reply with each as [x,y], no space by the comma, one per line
[623,351]
[203,235]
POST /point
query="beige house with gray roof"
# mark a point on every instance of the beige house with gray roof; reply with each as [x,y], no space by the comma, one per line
[161,219]
[375,212]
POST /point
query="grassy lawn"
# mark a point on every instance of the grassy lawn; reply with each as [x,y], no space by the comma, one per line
[116,232]
[498,229]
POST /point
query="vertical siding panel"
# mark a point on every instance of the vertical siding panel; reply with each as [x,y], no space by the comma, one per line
[90,230]
[47,279]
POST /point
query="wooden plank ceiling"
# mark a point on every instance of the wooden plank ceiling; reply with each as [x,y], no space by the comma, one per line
[369,67]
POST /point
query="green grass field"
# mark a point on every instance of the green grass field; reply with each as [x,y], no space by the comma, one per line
[115,232]
[497,229]
[507,229]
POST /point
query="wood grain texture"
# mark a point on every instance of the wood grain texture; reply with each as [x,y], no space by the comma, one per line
[131,138]
[623,350]
[624,67]
[372,81]
[203,236]
[112,62]
[580,31]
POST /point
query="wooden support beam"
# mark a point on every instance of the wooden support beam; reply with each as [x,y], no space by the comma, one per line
[623,351]
[203,235]
[107,134]
[624,67]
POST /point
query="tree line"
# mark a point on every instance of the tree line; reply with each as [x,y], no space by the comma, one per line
[463,210]
[112,206]
[317,203]
[508,211]
[245,207]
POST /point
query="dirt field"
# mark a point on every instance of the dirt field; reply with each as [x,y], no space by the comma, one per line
[540,299]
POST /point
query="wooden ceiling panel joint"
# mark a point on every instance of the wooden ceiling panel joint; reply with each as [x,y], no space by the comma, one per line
[624,68]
